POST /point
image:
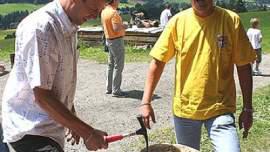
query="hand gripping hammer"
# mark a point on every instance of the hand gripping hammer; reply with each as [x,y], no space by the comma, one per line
[141,131]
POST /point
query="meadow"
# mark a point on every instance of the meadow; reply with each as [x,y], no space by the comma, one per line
[9,8]
[13,7]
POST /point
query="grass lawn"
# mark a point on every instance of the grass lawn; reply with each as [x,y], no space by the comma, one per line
[257,141]
[97,54]
[6,45]
[9,8]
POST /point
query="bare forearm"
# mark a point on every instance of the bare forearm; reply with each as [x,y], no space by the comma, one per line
[58,111]
[246,84]
[119,27]
[153,76]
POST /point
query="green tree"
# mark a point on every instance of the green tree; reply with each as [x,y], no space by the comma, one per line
[153,8]
[240,6]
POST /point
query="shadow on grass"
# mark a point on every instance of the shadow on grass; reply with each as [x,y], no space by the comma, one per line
[138,94]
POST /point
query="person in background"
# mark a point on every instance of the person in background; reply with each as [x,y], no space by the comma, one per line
[207,42]
[114,30]
[38,100]
[255,38]
[165,15]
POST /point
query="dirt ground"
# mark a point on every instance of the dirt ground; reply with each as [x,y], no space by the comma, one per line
[118,115]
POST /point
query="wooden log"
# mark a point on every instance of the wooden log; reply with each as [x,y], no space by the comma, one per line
[133,35]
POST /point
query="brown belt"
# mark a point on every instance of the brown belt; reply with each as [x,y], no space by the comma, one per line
[115,38]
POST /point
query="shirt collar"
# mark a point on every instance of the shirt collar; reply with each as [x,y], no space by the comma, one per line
[68,27]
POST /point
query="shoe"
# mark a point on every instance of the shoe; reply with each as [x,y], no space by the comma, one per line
[108,92]
[259,73]
[119,94]
[256,73]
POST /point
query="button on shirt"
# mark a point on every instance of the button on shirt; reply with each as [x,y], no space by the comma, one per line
[46,57]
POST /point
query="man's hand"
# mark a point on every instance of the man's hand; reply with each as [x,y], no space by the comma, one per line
[125,25]
[147,113]
[96,140]
[72,137]
[245,121]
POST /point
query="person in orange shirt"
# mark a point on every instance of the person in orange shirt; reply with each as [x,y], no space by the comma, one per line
[114,30]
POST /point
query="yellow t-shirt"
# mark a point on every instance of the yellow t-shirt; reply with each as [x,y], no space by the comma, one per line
[110,16]
[206,50]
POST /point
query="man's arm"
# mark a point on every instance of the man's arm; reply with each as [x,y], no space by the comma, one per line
[154,73]
[117,23]
[246,84]
[119,27]
[58,111]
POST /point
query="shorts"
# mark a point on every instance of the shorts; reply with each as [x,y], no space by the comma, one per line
[259,55]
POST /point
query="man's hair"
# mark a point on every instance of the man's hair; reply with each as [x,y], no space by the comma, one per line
[254,22]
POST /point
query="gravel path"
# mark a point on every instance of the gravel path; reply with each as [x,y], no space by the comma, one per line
[118,115]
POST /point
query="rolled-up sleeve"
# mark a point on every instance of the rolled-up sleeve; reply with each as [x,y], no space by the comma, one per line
[164,48]
[41,57]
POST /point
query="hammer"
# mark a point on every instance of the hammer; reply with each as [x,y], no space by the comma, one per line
[141,131]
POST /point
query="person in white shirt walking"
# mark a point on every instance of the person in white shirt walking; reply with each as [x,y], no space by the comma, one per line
[37,105]
[165,15]
[255,38]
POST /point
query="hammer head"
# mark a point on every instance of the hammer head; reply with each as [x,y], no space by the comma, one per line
[142,131]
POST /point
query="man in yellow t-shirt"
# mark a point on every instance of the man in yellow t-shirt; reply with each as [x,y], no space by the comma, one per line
[114,30]
[207,42]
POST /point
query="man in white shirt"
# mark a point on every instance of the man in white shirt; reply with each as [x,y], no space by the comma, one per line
[37,102]
[165,15]
[255,38]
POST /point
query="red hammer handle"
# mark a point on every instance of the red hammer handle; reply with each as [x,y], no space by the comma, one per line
[113,138]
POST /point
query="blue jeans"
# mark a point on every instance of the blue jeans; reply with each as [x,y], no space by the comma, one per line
[221,131]
[3,146]
[116,61]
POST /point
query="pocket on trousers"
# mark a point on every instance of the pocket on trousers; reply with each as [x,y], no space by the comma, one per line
[227,119]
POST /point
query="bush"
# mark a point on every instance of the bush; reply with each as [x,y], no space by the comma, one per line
[240,6]
[10,36]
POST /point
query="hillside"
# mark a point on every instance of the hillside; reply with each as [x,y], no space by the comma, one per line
[13,7]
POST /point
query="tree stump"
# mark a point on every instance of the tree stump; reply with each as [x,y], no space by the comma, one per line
[169,148]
